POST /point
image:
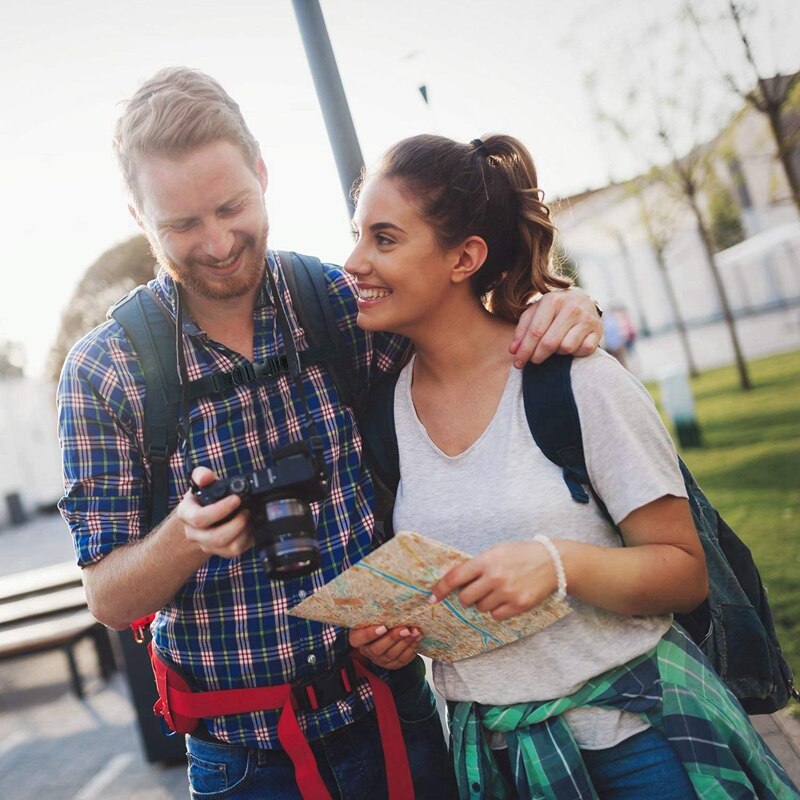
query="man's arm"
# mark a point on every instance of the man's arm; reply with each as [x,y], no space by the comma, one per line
[140,578]
[566,321]
[127,572]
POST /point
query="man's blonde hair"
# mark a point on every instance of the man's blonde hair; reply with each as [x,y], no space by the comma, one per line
[174,112]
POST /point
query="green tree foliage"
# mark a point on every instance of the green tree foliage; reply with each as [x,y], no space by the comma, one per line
[115,273]
[726,220]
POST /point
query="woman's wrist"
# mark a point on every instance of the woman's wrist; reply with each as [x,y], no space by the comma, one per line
[558,564]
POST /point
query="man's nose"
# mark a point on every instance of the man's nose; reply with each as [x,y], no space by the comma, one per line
[218,240]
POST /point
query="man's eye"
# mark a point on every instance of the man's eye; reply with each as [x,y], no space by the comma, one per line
[179,227]
[231,211]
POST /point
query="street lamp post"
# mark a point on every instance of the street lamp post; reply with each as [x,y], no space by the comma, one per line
[332,99]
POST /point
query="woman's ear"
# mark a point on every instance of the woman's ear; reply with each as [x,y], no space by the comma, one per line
[471,255]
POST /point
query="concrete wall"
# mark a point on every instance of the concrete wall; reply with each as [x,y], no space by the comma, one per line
[30,463]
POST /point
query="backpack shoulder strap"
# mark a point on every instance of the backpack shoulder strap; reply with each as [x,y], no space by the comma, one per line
[378,432]
[151,331]
[305,277]
[553,419]
[379,444]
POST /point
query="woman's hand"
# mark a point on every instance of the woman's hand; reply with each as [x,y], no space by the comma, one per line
[390,649]
[505,580]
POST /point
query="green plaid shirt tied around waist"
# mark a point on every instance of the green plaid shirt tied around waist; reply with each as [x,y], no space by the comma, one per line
[672,687]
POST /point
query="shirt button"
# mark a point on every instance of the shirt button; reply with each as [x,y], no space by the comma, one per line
[302,593]
[312,659]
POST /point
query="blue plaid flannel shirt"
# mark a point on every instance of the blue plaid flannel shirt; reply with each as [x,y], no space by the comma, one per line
[227,627]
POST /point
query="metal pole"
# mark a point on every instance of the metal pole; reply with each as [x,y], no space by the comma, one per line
[332,99]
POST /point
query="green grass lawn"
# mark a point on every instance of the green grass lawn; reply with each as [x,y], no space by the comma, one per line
[749,467]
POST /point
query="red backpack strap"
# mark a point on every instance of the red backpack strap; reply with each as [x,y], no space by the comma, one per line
[141,626]
[395,756]
[182,709]
[169,681]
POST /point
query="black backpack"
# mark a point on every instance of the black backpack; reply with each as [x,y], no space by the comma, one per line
[733,627]
[151,331]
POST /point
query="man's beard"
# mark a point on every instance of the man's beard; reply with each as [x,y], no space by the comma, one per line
[192,278]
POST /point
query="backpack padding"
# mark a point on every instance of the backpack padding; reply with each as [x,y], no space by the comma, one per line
[378,432]
[305,277]
[555,424]
[151,332]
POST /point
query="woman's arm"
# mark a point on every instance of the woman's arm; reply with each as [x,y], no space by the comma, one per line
[661,569]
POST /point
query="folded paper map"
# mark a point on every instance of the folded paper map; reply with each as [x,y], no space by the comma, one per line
[391,586]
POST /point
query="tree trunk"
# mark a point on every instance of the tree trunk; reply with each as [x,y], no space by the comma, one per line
[741,365]
[680,325]
[630,274]
[784,152]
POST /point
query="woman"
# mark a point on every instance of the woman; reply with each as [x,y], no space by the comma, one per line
[453,241]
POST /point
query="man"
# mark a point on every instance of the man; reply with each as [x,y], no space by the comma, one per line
[197,181]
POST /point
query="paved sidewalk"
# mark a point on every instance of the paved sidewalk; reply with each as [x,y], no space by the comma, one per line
[54,745]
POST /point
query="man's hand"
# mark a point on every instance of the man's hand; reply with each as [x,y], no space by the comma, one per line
[503,581]
[209,526]
[390,649]
[564,321]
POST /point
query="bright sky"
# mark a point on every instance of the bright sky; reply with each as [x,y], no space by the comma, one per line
[513,66]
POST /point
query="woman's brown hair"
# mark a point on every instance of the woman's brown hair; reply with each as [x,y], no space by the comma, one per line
[487,188]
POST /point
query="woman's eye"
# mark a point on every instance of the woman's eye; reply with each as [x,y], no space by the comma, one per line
[383,240]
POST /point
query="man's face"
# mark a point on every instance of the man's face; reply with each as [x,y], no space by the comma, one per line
[205,218]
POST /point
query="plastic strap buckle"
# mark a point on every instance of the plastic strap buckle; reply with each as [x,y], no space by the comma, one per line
[325,689]
[242,375]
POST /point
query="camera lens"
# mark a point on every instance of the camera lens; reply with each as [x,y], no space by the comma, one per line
[288,547]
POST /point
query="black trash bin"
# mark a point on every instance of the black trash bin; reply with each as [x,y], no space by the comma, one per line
[157,746]
[16,513]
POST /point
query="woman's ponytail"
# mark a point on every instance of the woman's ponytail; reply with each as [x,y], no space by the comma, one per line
[531,272]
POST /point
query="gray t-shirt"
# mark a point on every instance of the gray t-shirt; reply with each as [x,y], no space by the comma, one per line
[503,488]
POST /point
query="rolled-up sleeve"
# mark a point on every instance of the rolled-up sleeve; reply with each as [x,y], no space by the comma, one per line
[105,480]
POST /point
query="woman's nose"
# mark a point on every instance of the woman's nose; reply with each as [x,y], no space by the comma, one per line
[356,264]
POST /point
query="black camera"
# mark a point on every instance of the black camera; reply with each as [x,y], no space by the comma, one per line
[278,498]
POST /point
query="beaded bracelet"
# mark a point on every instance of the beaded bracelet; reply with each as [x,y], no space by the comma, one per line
[555,557]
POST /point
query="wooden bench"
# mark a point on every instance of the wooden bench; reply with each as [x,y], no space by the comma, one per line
[45,609]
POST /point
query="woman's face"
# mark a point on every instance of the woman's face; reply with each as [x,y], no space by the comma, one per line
[403,274]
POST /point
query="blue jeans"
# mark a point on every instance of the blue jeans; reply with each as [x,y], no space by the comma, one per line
[350,760]
[643,767]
